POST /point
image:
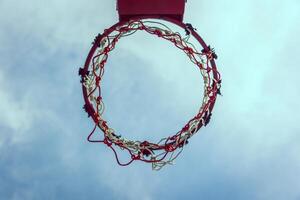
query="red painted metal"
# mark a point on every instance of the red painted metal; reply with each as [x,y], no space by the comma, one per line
[173,9]
[165,10]
[84,71]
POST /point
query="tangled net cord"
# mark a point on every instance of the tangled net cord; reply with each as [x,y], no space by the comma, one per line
[167,149]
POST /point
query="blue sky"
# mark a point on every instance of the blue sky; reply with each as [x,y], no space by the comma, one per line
[250,150]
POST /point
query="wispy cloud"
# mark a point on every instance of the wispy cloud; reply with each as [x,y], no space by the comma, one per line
[249,151]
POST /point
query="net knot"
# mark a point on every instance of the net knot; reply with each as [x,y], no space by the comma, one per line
[158,33]
[135,157]
[107,142]
[210,52]
[98,79]
[169,148]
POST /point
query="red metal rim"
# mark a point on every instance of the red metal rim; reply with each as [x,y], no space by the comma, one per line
[89,108]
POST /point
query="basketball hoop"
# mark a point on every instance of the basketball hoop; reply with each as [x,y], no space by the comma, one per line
[167,149]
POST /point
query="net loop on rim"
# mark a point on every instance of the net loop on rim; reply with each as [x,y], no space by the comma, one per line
[167,149]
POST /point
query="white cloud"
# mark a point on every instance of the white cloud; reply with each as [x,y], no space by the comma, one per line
[55,23]
[17,114]
[253,125]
